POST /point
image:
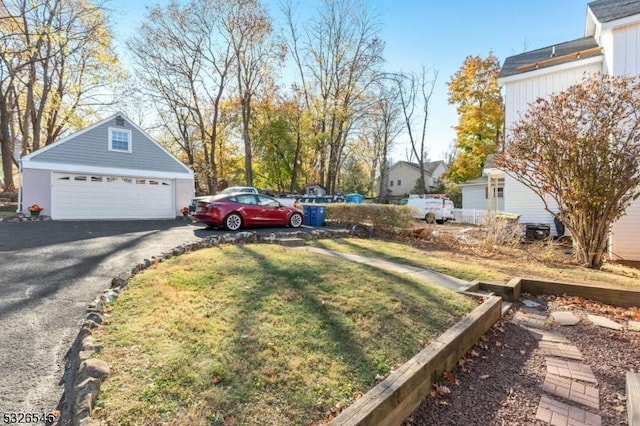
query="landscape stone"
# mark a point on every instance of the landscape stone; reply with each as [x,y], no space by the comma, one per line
[634,325]
[565,318]
[604,322]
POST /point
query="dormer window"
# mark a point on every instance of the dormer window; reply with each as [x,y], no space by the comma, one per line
[119,140]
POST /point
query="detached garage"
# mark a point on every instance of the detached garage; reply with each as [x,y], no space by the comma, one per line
[111,170]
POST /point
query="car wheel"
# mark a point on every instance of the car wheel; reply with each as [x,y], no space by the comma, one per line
[295,221]
[233,222]
[430,218]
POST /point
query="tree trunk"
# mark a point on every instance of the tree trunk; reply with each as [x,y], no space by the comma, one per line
[246,116]
[6,146]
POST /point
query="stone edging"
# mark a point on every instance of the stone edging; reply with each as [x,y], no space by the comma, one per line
[84,374]
[21,217]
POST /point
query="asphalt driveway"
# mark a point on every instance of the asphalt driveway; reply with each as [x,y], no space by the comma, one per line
[49,273]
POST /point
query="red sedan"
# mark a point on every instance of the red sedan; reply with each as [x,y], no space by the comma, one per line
[234,211]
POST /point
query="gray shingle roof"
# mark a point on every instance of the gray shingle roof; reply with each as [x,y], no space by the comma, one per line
[511,64]
[429,167]
[610,10]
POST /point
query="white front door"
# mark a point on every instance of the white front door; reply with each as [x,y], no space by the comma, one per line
[86,196]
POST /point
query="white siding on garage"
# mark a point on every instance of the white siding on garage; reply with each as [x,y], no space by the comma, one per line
[87,196]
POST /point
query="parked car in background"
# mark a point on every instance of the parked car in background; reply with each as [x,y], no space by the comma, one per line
[234,189]
[238,210]
[230,190]
[432,210]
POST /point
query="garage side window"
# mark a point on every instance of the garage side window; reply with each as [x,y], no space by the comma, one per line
[119,140]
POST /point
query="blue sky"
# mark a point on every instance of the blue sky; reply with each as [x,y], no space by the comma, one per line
[440,35]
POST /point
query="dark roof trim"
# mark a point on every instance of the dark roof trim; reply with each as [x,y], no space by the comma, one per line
[549,56]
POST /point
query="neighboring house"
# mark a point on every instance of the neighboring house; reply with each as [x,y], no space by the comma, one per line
[110,170]
[611,45]
[314,189]
[403,175]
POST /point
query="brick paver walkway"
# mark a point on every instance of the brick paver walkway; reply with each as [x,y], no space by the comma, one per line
[548,336]
[559,350]
[571,369]
[529,320]
[572,390]
[564,374]
[560,414]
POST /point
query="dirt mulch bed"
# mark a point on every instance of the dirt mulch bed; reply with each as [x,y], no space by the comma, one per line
[499,382]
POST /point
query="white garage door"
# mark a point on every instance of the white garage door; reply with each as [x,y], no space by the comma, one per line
[79,196]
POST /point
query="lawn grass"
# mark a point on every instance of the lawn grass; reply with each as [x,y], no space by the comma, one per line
[260,334]
[499,269]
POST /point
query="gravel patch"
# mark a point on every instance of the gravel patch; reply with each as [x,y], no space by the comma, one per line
[499,382]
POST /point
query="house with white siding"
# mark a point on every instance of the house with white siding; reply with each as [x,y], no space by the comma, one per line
[403,175]
[611,45]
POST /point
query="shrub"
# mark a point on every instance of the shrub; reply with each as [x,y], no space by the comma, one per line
[383,219]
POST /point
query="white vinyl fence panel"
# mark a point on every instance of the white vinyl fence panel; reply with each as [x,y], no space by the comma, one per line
[472,216]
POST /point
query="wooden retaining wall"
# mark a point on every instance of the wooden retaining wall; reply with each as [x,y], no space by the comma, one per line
[396,397]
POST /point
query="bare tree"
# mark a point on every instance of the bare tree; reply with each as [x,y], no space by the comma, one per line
[579,151]
[249,31]
[56,59]
[185,63]
[338,58]
[381,129]
[415,91]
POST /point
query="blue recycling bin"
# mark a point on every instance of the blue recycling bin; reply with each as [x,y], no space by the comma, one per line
[314,215]
[354,198]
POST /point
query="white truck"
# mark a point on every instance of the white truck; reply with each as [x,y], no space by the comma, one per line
[432,210]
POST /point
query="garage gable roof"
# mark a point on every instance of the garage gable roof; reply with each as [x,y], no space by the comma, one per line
[89,148]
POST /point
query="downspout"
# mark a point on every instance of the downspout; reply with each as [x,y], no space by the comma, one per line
[19,206]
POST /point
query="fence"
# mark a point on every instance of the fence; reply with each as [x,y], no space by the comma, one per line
[473,216]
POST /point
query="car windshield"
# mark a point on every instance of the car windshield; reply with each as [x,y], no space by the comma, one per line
[234,189]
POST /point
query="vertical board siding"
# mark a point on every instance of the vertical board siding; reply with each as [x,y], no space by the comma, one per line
[523,201]
[625,43]
[519,94]
[625,234]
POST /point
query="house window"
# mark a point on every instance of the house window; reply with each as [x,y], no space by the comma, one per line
[498,191]
[120,140]
[390,183]
[399,182]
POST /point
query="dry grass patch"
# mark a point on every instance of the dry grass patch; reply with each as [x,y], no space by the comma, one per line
[528,261]
[260,334]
